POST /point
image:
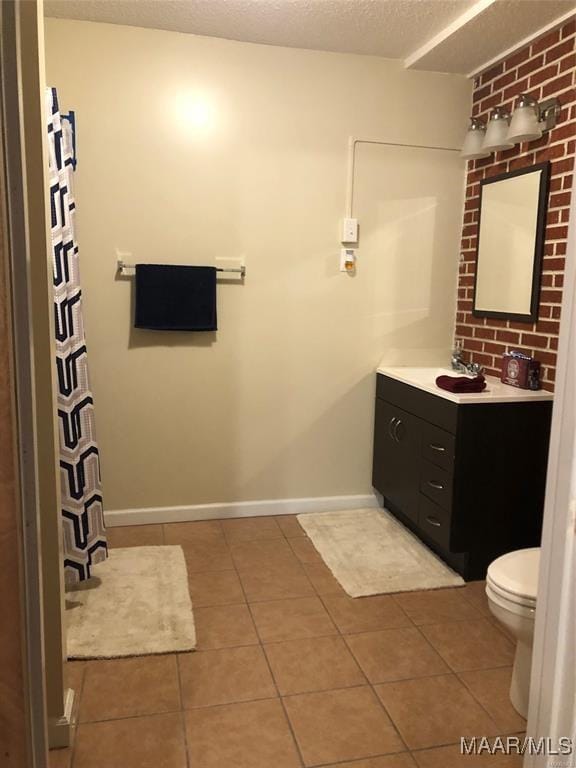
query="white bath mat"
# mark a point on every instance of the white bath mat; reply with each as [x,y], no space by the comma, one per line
[371,553]
[138,603]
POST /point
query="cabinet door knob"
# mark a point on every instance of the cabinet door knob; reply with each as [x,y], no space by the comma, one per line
[439,448]
[434,521]
[436,484]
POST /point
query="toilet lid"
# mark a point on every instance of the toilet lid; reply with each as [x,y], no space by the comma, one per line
[517,573]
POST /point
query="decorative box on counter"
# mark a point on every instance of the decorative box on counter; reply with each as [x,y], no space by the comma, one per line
[520,370]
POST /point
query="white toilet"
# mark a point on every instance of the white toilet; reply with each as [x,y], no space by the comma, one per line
[511,586]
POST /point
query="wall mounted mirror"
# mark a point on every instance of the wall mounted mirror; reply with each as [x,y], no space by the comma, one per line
[510,243]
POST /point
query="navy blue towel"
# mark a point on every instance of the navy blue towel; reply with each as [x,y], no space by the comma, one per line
[175,298]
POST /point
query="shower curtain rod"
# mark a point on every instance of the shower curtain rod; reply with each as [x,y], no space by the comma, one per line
[122,267]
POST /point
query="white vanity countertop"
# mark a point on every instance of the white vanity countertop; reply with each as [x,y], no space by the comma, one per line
[495,392]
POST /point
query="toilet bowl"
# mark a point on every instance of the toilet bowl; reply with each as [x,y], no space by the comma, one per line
[511,587]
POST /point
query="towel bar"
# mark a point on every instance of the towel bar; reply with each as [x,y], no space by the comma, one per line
[122,267]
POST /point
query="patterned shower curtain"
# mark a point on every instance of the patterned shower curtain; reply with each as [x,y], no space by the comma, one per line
[82,514]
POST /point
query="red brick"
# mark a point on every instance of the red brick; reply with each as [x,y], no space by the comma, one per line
[559,200]
[538,342]
[569,28]
[556,233]
[559,50]
[535,63]
[517,58]
[548,326]
[558,85]
[543,74]
[481,93]
[550,153]
[502,81]
[569,62]
[493,72]
[547,41]
[508,336]
[484,333]
[494,349]
[554,265]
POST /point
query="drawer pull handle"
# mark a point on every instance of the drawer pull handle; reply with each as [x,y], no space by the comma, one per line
[434,521]
[436,484]
[439,448]
[391,426]
[398,423]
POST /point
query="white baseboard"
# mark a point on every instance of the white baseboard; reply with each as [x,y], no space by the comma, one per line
[59,727]
[148,515]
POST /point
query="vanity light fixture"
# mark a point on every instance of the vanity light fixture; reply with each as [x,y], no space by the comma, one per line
[496,138]
[531,118]
[473,148]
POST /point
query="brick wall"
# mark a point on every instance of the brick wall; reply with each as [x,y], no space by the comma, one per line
[544,68]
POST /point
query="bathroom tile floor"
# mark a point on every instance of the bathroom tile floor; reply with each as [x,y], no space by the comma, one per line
[290,672]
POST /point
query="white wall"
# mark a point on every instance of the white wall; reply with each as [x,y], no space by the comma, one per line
[193,148]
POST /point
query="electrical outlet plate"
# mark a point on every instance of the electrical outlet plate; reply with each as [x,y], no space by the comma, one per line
[350,230]
[347,255]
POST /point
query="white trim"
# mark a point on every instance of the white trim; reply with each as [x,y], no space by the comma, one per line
[553,688]
[451,29]
[521,43]
[59,728]
[269,507]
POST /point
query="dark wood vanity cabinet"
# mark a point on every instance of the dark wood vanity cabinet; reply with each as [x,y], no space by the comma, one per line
[468,479]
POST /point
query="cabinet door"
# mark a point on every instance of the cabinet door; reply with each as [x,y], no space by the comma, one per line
[396,471]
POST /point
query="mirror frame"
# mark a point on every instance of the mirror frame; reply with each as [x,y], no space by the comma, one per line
[539,240]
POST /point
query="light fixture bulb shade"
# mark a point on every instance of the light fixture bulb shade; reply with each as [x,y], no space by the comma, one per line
[524,125]
[473,148]
[496,137]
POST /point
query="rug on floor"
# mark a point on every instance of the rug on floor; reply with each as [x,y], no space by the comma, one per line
[137,603]
[371,553]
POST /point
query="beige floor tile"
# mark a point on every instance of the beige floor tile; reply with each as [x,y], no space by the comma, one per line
[475,593]
[251,529]
[215,588]
[491,687]
[313,664]
[276,582]
[251,555]
[224,626]
[437,606]
[467,645]
[395,654]
[137,742]
[290,526]
[62,758]
[59,758]
[299,617]
[251,735]
[341,725]
[305,551]
[402,760]
[323,580]
[143,685]
[203,531]
[135,536]
[225,676]
[432,711]
[450,757]
[207,556]
[365,614]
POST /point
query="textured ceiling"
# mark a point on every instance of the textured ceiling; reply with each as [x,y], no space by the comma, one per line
[390,28]
[499,27]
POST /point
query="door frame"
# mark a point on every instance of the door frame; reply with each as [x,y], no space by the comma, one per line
[552,710]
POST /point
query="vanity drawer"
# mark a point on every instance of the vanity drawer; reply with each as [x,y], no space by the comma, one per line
[436,483]
[431,408]
[434,522]
[438,446]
